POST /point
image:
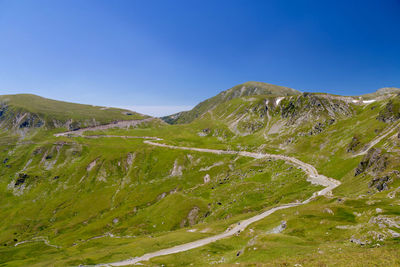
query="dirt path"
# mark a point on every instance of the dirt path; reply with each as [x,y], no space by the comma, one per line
[377,139]
[313,176]
[199,243]
[117,124]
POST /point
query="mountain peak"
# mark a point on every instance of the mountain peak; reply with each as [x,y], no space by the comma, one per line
[388,90]
[258,88]
[383,92]
[250,88]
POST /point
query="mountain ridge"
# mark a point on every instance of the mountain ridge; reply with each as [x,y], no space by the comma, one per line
[20,111]
[255,89]
[250,88]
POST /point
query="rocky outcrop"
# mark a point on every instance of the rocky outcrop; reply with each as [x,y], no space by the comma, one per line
[391,111]
[3,110]
[129,159]
[280,228]
[354,145]
[31,121]
[318,128]
[383,183]
[191,217]
[380,183]
[206,178]
[204,132]
[12,119]
[21,179]
[251,126]
[91,165]
[358,241]
[384,221]
[176,169]
[311,107]
[373,162]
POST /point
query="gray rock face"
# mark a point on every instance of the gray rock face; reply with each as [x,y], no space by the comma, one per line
[206,178]
[377,236]
[192,217]
[3,110]
[374,161]
[357,241]
[278,229]
[380,184]
[391,112]
[319,127]
[352,147]
[21,179]
[31,121]
[393,233]
[384,221]
[316,103]
[329,211]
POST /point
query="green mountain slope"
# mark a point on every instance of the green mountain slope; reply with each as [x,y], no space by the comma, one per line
[382,92]
[31,111]
[241,90]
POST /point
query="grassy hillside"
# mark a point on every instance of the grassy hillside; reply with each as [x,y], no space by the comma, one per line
[133,190]
[25,110]
[241,90]
[382,92]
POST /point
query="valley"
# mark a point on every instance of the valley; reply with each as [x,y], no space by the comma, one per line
[257,174]
[312,173]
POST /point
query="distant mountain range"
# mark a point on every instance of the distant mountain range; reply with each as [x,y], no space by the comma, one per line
[249,89]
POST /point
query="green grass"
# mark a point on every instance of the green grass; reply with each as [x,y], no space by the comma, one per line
[55,113]
[59,207]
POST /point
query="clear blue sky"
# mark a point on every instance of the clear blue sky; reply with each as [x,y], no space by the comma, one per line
[165,55]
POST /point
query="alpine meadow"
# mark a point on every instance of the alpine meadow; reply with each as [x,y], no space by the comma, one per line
[93,185]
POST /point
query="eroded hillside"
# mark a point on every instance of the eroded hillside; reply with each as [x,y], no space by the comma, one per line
[23,112]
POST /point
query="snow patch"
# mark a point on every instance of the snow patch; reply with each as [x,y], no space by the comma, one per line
[278,100]
[369,101]
[363,101]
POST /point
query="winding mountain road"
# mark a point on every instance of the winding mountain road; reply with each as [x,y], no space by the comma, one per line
[313,176]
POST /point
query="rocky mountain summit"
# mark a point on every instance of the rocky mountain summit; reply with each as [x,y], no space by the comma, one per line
[241,90]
